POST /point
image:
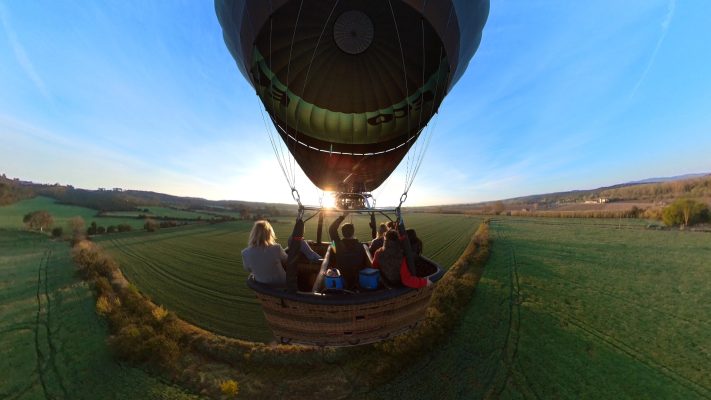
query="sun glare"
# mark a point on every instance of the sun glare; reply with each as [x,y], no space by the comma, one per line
[329,200]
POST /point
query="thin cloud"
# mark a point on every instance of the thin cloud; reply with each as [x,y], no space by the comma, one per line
[21,55]
[671,7]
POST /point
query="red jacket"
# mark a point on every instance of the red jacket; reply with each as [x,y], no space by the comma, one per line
[407,279]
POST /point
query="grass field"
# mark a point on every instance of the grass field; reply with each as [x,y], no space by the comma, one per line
[579,309]
[197,271]
[53,343]
[154,211]
[11,215]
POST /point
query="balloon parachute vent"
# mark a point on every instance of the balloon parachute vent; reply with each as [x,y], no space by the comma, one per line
[353,32]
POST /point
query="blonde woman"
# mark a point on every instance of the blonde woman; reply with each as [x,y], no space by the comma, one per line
[264,257]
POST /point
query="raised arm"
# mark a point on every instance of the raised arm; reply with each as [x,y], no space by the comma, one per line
[333,229]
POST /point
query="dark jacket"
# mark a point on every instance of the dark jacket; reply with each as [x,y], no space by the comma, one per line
[350,255]
[376,244]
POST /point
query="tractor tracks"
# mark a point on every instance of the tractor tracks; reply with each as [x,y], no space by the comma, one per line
[511,304]
[46,363]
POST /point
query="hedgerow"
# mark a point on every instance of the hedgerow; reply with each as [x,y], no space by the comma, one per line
[140,331]
[146,334]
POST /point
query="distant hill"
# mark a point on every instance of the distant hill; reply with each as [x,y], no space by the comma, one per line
[117,199]
[668,179]
[650,191]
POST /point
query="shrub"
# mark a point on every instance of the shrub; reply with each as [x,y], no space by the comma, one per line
[91,230]
[130,343]
[124,228]
[76,227]
[229,388]
[653,213]
[685,212]
[151,225]
[111,229]
[162,350]
[57,232]
[103,286]
[106,305]
[168,224]
[159,313]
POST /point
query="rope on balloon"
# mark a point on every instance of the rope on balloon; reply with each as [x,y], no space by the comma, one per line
[286,109]
[407,90]
[308,72]
[278,152]
[413,154]
[425,135]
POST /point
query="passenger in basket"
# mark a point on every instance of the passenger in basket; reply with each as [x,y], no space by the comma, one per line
[391,261]
[350,253]
[264,257]
[415,242]
[378,241]
[307,251]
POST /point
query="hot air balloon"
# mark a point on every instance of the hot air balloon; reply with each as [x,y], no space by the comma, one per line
[350,86]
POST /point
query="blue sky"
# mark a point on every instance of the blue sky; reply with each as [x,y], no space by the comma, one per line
[561,95]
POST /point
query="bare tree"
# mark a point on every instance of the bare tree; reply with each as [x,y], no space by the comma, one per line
[499,207]
[76,227]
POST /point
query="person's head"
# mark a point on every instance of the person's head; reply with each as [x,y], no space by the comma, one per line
[412,235]
[262,234]
[348,230]
[392,240]
[390,225]
[382,229]
[391,236]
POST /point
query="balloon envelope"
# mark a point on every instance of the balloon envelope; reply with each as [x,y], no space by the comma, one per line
[350,84]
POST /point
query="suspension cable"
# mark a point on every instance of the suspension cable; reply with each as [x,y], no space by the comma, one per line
[427,132]
[308,72]
[404,72]
[288,74]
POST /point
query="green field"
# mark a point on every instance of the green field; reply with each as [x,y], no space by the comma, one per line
[578,309]
[53,343]
[567,308]
[11,215]
[197,271]
[160,212]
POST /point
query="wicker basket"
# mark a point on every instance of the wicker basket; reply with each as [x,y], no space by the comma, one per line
[352,319]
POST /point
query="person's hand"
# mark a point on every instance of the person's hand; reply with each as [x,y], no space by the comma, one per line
[429,283]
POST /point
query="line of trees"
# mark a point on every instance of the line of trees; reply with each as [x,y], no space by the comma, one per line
[95,229]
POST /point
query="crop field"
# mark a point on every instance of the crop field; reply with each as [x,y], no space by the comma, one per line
[579,308]
[53,343]
[154,211]
[197,271]
[11,215]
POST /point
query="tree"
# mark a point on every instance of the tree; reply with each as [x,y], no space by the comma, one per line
[151,225]
[100,230]
[57,232]
[685,212]
[499,207]
[111,229]
[92,229]
[38,220]
[76,227]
